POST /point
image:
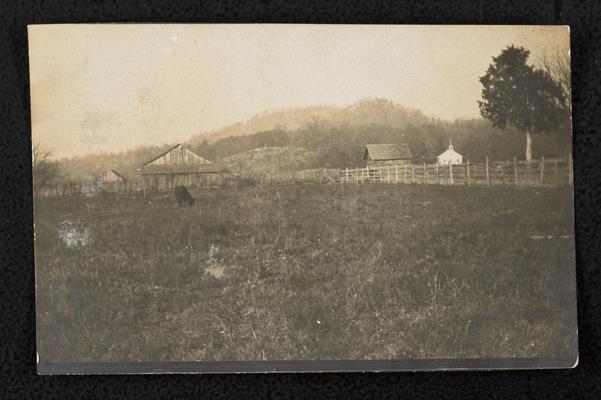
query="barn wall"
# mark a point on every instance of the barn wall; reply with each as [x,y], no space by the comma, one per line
[168,182]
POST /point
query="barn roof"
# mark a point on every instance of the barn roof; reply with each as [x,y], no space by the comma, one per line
[120,175]
[181,169]
[127,174]
[381,152]
[170,150]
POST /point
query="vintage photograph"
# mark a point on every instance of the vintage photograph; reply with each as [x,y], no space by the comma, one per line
[269,197]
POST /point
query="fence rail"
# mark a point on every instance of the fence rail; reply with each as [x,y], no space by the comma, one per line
[323,175]
[542,172]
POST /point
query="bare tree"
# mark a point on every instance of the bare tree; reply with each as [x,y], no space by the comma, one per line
[557,65]
[45,171]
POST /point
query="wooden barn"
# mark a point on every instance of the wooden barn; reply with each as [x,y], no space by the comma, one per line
[387,154]
[179,166]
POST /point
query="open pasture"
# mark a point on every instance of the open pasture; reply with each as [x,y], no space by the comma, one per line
[280,272]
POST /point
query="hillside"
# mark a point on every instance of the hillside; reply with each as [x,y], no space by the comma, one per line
[267,161]
[286,119]
[366,112]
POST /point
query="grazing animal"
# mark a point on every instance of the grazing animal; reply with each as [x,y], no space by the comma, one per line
[183,196]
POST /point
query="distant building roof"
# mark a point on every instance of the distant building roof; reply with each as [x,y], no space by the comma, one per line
[383,152]
[127,174]
[112,175]
[120,175]
[449,153]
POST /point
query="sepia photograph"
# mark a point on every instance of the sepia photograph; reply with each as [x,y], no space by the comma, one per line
[287,197]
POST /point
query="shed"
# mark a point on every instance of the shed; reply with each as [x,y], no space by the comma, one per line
[449,157]
[387,154]
[121,180]
[112,176]
[178,166]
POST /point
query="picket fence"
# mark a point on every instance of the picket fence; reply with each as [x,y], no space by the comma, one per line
[542,172]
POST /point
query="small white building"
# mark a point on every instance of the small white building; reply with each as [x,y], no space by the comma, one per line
[449,157]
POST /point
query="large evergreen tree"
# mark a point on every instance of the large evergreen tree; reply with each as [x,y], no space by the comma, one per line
[515,93]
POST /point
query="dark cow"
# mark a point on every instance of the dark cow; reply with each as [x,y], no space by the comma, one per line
[183,196]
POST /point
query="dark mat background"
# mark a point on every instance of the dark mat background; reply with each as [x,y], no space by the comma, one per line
[18,378]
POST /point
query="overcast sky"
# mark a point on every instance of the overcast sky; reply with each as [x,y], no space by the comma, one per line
[113,87]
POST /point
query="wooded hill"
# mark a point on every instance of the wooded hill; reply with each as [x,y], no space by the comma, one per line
[369,111]
[338,136]
[334,137]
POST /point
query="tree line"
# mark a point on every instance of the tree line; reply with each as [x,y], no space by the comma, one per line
[339,146]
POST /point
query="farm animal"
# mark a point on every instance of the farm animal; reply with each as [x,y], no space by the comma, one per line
[182,195]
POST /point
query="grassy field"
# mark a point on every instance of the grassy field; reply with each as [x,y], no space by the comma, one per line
[307,272]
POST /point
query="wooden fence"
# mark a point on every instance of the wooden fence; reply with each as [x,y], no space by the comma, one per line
[541,172]
[86,189]
[318,175]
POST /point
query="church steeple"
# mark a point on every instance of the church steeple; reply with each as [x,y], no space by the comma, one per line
[450,144]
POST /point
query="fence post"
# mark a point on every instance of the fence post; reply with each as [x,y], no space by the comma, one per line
[425,174]
[487,173]
[368,174]
[451,172]
[388,174]
[405,174]
[412,173]
[468,172]
[396,174]
[570,170]
[542,170]
[515,172]
[437,174]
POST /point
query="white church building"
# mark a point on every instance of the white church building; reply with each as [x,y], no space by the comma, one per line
[449,157]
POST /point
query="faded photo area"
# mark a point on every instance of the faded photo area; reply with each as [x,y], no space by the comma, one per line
[268,194]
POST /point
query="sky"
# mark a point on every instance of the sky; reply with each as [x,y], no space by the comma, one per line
[112,87]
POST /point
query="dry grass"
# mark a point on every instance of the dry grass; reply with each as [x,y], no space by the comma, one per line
[308,272]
